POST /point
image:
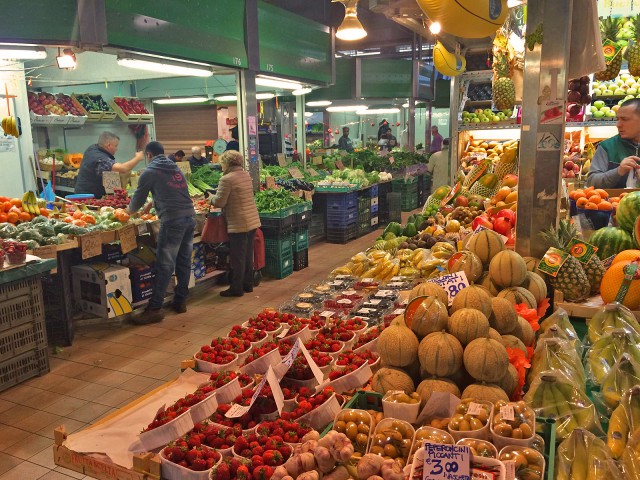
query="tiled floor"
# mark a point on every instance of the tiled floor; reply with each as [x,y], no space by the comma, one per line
[108,368]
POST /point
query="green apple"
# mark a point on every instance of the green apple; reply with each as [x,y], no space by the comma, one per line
[630,82]
[611,114]
[598,114]
[605,109]
[485,120]
[475,120]
[632,91]
[593,109]
[495,118]
[598,104]
[607,93]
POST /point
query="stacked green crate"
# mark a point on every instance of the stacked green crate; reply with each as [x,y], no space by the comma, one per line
[279,257]
[408,189]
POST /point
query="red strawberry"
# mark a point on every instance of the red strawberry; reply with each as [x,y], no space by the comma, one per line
[262,473]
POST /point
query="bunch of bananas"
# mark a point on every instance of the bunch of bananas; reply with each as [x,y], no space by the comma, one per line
[554,395]
[557,355]
[390,245]
[603,354]
[30,203]
[613,316]
[583,456]
[383,265]
[10,126]
[568,335]
[624,421]
[624,375]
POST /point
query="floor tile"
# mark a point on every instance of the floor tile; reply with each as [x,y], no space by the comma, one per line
[44,458]
[89,412]
[69,473]
[37,421]
[29,446]
[7,462]
[25,471]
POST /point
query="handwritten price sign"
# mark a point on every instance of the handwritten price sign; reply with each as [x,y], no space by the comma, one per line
[452,283]
[446,462]
[111,181]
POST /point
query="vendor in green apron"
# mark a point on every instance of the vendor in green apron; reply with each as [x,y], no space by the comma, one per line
[616,163]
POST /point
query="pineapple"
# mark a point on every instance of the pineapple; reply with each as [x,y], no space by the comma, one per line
[503,89]
[633,50]
[594,269]
[609,29]
[571,280]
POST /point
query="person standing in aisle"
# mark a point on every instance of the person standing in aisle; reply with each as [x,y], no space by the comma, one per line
[168,187]
[616,163]
[234,144]
[439,166]
[345,142]
[404,136]
[100,158]
[235,197]
[196,160]
[177,157]
[436,140]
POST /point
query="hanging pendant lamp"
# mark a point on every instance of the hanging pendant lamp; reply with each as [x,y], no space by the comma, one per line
[350,29]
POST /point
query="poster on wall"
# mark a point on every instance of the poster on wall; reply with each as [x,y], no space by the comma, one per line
[7,144]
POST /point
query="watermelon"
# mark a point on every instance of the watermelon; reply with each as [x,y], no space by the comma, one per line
[636,231]
[628,210]
[611,241]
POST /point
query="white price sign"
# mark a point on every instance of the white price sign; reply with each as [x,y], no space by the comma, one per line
[452,283]
[111,181]
[446,462]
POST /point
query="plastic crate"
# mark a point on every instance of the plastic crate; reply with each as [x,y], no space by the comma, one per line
[23,367]
[279,268]
[319,202]
[277,226]
[303,215]
[364,203]
[23,303]
[300,260]
[342,201]
[278,248]
[342,235]
[300,241]
[374,209]
[373,191]
[342,218]
[363,229]
[22,338]
[56,289]
[394,205]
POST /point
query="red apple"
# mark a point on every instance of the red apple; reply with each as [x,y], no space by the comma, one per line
[482,220]
[569,165]
[461,201]
[502,226]
[510,180]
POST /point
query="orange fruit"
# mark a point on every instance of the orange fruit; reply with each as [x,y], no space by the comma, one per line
[604,205]
[13,217]
[6,206]
[78,214]
[89,219]
[595,199]
[577,194]
[603,193]
[16,201]
[624,194]
[626,255]
[591,206]
[44,212]
[614,199]
[68,219]
[502,193]
[4,199]
[581,202]
[512,197]
[3,218]
[589,191]
[25,217]
[612,281]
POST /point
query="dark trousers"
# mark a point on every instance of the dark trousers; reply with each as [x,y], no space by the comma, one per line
[175,244]
[241,260]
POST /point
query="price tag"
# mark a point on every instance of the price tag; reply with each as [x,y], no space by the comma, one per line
[282,160]
[344,301]
[237,410]
[185,167]
[349,292]
[276,390]
[295,172]
[375,301]
[452,284]
[396,279]
[385,293]
[143,228]
[128,238]
[91,245]
[293,353]
[552,261]
[337,283]
[339,165]
[444,462]
[398,311]
[271,183]
[48,251]
[327,314]
[283,333]
[365,311]
[317,160]
[475,409]
[395,284]
[312,172]
[111,181]
[308,195]
[583,251]
[368,280]
[312,364]
[507,413]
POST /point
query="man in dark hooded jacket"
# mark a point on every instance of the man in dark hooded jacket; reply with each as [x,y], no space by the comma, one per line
[168,187]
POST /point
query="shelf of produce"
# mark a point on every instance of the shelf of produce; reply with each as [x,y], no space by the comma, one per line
[593,123]
[488,126]
[586,309]
[477,103]
[477,75]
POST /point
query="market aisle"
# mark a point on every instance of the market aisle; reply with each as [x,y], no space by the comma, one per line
[108,368]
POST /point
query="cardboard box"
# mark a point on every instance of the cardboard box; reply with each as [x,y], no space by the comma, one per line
[141,281]
[102,289]
[616,192]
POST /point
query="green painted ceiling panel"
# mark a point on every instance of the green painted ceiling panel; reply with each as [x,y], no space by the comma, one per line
[386,78]
[210,31]
[343,89]
[39,21]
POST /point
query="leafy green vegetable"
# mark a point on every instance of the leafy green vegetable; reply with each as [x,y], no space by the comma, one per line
[270,201]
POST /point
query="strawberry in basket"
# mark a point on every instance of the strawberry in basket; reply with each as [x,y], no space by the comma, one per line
[316,322]
[259,352]
[180,406]
[217,355]
[290,432]
[335,374]
[251,334]
[197,458]
[368,336]
[234,468]
[219,379]
[308,402]
[235,345]
[214,436]
[356,359]
[324,344]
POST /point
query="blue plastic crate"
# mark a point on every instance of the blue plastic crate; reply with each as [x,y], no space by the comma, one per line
[374,208]
[373,191]
[341,201]
[342,218]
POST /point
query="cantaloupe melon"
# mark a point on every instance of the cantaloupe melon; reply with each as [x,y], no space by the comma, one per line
[504,317]
[487,283]
[518,295]
[508,269]
[485,244]
[468,324]
[532,263]
[440,354]
[494,335]
[428,316]
[509,382]
[485,392]
[398,345]
[525,332]
[430,385]
[474,296]
[511,341]
[486,360]
[429,289]
[466,262]
[389,378]
[461,378]
[536,285]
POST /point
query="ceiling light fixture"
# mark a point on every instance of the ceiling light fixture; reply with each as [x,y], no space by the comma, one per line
[319,103]
[435,28]
[164,66]
[302,91]
[234,98]
[346,108]
[11,52]
[377,111]
[175,101]
[273,82]
[350,28]
[66,59]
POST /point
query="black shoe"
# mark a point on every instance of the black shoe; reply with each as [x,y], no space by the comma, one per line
[230,293]
[248,289]
[179,307]
[148,316]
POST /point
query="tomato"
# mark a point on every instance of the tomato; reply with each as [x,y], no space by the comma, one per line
[3,218]
[17,202]
[6,206]
[12,217]
[78,214]
[24,217]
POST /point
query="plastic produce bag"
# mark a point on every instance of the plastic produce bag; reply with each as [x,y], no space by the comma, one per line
[603,354]
[631,458]
[613,316]
[583,456]
[624,424]
[554,395]
[558,325]
[557,355]
[623,376]
[586,55]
